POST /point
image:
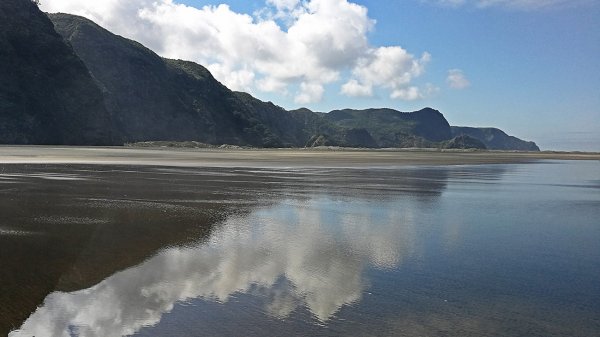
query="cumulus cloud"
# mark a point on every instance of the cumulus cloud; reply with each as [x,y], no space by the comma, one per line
[457,80]
[408,94]
[353,88]
[284,4]
[389,67]
[322,267]
[513,4]
[309,92]
[290,45]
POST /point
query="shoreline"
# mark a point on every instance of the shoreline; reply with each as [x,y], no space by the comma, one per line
[255,157]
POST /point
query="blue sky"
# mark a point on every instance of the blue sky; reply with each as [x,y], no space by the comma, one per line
[529,67]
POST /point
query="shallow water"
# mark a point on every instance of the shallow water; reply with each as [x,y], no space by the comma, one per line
[506,250]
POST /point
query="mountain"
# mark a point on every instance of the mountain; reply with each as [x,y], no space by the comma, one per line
[392,128]
[160,99]
[495,139]
[66,80]
[47,95]
[154,98]
[463,142]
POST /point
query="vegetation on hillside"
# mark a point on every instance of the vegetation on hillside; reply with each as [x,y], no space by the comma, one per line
[70,81]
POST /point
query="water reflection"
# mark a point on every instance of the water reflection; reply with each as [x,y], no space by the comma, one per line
[310,254]
[298,238]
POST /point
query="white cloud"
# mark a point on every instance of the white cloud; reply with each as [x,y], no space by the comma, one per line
[388,67]
[309,92]
[241,79]
[320,42]
[270,84]
[457,80]
[284,4]
[323,266]
[407,94]
[353,88]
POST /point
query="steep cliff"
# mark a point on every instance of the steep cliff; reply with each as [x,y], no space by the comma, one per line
[47,95]
[495,139]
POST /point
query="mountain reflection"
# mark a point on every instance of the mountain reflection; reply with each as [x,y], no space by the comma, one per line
[300,240]
[320,248]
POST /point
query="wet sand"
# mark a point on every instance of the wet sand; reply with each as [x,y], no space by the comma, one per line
[112,241]
[270,157]
[111,250]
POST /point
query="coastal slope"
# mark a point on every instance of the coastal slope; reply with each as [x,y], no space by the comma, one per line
[47,95]
[65,80]
[495,139]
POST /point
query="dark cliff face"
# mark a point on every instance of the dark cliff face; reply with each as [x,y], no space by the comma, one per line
[69,81]
[464,142]
[284,127]
[152,98]
[130,76]
[430,124]
[392,128]
[47,95]
[495,139]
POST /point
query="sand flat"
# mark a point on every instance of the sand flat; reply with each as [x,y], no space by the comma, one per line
[270,157]
[407,251]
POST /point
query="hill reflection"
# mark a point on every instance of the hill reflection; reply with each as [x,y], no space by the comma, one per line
[303,238]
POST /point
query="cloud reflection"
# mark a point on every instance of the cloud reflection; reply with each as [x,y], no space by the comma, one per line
[309,254]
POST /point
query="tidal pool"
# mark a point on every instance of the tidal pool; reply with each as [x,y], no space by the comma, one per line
[510,249]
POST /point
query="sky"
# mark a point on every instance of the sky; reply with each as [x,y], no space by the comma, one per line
[529,67]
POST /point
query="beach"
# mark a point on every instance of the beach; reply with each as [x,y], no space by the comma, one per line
[323,157]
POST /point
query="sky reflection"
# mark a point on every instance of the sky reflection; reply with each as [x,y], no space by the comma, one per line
[466,250]
[320,249]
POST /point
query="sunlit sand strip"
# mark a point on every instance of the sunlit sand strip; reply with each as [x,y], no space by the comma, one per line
[11,232]
[70,220]
[269,157]
[47,176]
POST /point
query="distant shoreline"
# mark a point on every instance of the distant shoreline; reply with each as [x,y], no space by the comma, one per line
[276,158]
